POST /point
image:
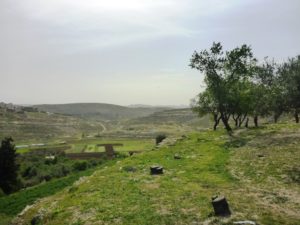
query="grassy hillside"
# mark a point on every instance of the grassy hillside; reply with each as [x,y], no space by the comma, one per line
[168,116]
[256,169]
[171,122]
[31,126]
[100,110]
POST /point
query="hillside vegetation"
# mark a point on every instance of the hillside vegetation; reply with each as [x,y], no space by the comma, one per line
[256,169]
[28,126]
[100,111]
[181,116]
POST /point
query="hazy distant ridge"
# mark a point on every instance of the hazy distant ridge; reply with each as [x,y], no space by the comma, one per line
[102,111]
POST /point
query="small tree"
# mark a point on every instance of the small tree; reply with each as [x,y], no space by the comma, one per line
[8,166]
[225,74]
[265,91]
[290,78]
[204,104]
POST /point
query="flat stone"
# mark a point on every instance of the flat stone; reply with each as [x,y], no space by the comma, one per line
[245,222]
[176,156]
[155,170]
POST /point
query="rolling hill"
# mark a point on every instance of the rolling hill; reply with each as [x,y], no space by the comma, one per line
[101,111]
[181,116]
[70,120]
[26,126]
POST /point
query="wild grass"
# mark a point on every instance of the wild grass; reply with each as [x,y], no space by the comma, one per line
[256,170]
[13,204]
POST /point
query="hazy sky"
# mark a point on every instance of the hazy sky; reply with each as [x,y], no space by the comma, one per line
[129,51]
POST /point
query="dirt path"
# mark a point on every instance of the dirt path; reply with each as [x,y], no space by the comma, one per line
[103,127]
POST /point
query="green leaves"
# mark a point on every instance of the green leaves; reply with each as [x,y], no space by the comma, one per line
[8,166]
[226,77]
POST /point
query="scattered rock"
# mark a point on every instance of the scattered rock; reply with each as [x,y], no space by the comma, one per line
[38,218]
[220,206]
[35,220]
[129,169]
[176,156]
[25,210]
[155,170]
[246,222]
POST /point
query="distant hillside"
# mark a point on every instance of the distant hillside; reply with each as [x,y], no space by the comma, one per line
[23,125]
[100,111]
[158,106]
[178,116]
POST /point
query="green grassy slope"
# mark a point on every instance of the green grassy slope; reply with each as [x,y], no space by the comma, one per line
[13,204]
[212,163]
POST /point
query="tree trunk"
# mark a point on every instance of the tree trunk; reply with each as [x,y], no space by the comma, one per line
[224,119]
[221,206]
[242,119]
[217,121]
[255,120]
[276,116]
[236,119]
[247,122]
[296,116]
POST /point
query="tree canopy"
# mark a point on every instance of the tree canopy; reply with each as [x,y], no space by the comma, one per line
[8,166]
[239,87]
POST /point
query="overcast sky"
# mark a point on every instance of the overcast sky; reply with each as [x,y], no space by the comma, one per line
[129,51]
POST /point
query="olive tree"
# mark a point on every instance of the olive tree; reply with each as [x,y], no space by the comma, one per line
[225,74]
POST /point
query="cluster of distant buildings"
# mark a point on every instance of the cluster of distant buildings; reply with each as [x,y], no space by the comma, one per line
[9,107]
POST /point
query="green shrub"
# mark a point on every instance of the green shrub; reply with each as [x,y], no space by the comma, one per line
[29,172]
[65,170]
[80,165]
[49,161]
[1,193]
[31,182]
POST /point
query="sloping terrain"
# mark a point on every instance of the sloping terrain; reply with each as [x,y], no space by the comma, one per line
[27,126]
[100,111]
[38,125]
[168,116]
[256,169]
[171,122]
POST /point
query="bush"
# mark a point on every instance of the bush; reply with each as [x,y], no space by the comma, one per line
[121,155]
[32,182]
[50,160]
[159,138]
[29,172]
[65,170]
[80,165]
[1,193]
[45,177]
